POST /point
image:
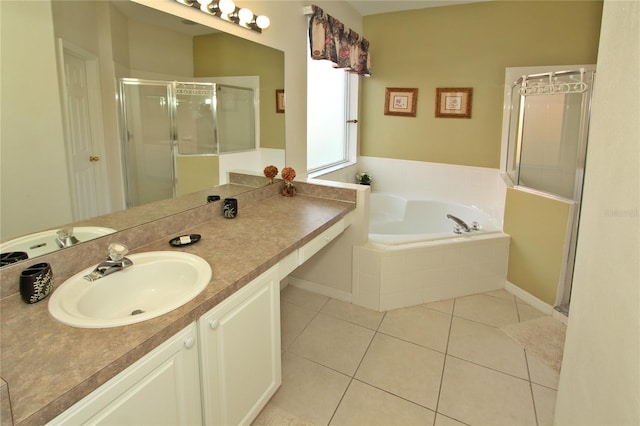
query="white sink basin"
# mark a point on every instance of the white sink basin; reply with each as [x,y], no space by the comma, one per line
[45,242]
[158,282]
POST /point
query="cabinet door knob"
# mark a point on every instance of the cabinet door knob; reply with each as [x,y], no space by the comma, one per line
[189,342]
[94,158]
[214,323]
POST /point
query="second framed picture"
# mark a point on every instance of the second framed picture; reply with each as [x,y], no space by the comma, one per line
[454,102]
[402,102]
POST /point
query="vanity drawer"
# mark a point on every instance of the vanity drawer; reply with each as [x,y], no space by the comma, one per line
[314,246]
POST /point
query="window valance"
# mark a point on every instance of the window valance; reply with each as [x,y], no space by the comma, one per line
[330,40]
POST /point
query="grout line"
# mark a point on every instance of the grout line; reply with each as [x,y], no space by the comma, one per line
[375,332]
[444,362]
[533,399]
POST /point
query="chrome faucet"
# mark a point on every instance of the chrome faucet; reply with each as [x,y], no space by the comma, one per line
[114,263]
[461,223]
[65,237]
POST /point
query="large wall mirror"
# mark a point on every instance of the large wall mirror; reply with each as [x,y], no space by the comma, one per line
[63,63]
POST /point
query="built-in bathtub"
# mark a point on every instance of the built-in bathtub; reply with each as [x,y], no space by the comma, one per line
[413,255]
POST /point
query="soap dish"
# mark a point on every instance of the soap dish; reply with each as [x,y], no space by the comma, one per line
[184,240]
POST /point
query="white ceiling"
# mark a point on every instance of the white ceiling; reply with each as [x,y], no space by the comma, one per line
[373,7]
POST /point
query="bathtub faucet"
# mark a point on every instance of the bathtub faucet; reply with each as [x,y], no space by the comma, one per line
[459,222]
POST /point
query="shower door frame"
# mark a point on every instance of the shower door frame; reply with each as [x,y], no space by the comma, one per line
[514,76]
[124,132]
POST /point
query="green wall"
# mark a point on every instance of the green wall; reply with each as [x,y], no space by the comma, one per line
[464,46]
[538,229]
[223,54]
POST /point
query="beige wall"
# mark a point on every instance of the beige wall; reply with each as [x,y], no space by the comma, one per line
[600,378]
[464,46]
[216,55]
[537,254]
[196,173]
[32,157]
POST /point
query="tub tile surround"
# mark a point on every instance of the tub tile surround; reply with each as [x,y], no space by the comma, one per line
[390,277]
[469,372]
[48,366]
[475,186]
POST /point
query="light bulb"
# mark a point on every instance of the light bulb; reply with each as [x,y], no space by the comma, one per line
[204,5]
[245,15]
[226,6]
[263,22]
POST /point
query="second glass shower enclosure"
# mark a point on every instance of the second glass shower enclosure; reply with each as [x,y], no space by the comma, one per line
[162,121]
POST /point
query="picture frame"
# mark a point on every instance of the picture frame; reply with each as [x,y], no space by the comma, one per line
[400,101]
[279,100]
[454,102]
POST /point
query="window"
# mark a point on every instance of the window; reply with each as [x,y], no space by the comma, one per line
[332,95]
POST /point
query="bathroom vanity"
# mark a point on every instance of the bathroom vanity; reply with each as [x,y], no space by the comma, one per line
[214,360]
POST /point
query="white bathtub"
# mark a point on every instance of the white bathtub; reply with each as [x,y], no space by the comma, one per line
[396,219]
[414,257]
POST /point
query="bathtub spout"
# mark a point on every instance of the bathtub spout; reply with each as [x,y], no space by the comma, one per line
[460,222]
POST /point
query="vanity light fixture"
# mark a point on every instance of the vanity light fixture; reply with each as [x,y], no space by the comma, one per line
[227,10]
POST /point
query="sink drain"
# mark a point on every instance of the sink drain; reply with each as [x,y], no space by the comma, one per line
[137,312]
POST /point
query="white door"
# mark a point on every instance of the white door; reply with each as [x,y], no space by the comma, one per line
[84,133]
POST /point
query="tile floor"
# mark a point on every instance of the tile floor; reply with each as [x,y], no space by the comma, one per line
[442,363]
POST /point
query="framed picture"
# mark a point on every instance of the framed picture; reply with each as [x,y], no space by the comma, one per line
[279,100]
[400,102]
[454,102]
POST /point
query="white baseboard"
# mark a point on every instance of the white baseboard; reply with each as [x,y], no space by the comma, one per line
[320,289]
[529,298]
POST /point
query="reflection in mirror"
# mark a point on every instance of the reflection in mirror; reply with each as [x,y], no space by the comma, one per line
[63,159]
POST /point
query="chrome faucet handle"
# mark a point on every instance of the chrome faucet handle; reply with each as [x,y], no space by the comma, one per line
[117,251]
[65,233]
[65,237]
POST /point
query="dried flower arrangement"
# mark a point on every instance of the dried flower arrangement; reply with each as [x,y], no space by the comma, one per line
[271,172]
[288,175]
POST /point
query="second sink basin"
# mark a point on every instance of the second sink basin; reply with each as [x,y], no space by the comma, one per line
[158,282]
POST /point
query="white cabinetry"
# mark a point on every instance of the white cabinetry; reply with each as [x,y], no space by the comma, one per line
[240,352]
[163,388]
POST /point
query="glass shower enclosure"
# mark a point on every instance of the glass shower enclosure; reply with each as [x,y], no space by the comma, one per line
[161,121]
[547,142]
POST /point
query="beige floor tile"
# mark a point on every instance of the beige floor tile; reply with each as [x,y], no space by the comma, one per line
[486,309]
[487,346]
[541,373]
[416,324]
[528,312]
[275,416]
[477,395]
[404,369]
[309,391]
[442,420]
[502,294]
[333,342]
[353,313]
[366,405]
[545,400]
[444,306]
[303,298]
[293,319]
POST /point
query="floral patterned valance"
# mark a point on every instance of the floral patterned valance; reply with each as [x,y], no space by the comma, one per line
[330,40]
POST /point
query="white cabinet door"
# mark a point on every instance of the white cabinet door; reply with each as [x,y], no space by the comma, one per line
[162,388]
[240,352]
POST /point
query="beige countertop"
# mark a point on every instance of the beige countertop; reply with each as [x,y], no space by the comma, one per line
[49,366]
